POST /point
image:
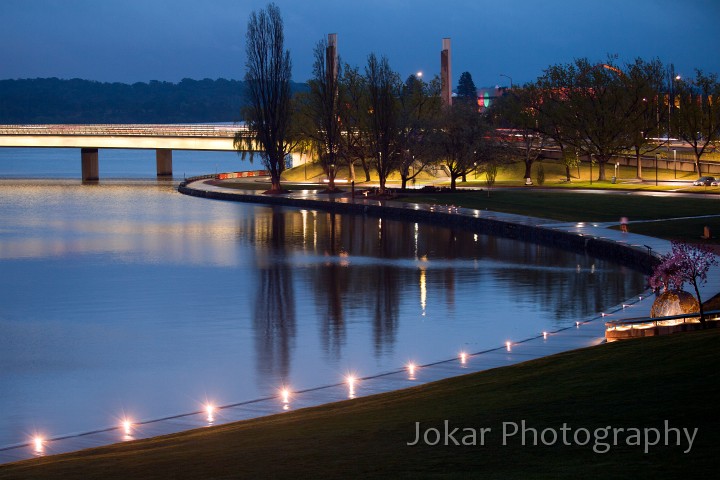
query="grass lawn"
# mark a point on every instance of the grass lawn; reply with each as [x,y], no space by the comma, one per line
[575,206]
[632,384]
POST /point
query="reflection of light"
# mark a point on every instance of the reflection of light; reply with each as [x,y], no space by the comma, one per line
[39,443]
[127,427]
[463,358]
[507,345]
[411,370]
[602,314]
[544,334]
[475,237]
[423,291]
[577,324]
[303,213]
[351,386]
[416,240]
[210,410]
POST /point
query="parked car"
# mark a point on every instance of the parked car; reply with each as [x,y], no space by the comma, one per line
[716,183]
[706,181]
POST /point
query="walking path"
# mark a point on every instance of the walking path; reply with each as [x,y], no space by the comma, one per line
[583,333]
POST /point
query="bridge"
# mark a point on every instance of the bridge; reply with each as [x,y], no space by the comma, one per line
[89,138]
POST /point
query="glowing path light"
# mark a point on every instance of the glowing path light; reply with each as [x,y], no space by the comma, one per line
[545,334]
[38,445]
[285,395]
[350,380]
[127,427]
[411,370]
[507,345]
[463,358]
[210,411]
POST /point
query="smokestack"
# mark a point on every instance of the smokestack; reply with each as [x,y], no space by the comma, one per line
[446,73]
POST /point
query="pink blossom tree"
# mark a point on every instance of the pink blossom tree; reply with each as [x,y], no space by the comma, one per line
[684,263]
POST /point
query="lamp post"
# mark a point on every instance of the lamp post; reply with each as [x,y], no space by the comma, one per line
[656,168]
[675,161]
[591,169]
[509,78]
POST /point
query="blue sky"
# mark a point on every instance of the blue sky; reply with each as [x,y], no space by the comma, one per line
[142,40]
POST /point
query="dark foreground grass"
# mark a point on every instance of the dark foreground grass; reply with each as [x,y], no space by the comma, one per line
[632,384]
[576,206]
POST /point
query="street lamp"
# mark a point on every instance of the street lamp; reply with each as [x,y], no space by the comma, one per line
[656,168]
[509,78]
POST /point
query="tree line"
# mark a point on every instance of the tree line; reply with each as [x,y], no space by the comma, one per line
[54,100]
[371,118]
[602,110]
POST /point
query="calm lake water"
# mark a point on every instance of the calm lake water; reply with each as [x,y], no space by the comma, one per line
[128,298]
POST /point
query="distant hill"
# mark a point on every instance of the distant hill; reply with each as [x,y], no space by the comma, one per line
[52,100]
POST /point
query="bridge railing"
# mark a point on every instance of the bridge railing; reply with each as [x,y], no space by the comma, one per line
[649,322]
[150,130]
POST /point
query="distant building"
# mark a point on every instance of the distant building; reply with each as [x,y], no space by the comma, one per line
[487,96]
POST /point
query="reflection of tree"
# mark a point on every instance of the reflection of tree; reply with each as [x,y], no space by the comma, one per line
[274,315]
[332,281]
[364,268]
[386,308]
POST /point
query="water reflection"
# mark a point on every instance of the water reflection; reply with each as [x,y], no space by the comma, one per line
[135,296]
[274,308]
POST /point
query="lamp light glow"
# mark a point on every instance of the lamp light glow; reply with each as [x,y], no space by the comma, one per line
[463,358]
[285,395]
[210,411]
[39,444]
[545,334]
[127,427]
[350,380]
[507,345]
[411,370]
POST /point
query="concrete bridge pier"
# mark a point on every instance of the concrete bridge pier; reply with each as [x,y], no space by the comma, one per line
[89,160]
[163,160]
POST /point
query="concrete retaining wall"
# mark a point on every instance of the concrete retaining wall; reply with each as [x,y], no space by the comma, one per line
[635,258]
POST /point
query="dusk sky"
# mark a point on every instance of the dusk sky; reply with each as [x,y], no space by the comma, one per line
[142,40]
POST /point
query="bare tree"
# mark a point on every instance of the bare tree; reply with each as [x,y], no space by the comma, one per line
[354,119]
[267,80]
[519,110]
[383,87]
[419,105]
[644,82]
[696,116]
[322,109]
[461,139]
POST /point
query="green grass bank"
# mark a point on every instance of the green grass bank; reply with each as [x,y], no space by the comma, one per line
[634,384]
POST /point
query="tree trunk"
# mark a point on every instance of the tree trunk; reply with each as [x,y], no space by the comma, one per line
[567,172]
[351,167]
[697,163]
[528,169]
[638,159]
[464,177]
[453,179]
[403,185]
[601,169]
[366,168]
[702,312]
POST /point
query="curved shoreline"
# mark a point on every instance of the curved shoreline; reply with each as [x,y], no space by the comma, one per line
[517,227]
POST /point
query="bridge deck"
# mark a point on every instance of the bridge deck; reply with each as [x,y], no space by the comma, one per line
[138,136]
